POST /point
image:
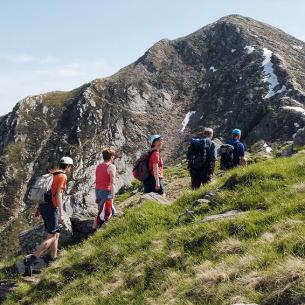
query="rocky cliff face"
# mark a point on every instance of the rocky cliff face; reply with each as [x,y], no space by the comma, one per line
[234,73]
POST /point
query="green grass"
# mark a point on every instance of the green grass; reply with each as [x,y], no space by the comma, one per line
[58,98]
[135,185]
[149,257]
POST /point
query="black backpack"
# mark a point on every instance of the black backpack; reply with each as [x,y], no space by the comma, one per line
[226,152]
[198,153]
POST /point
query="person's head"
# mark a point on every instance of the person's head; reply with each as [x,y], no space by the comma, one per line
[236,133]
[108,154]
[66,164]
[156,141]
[208,132]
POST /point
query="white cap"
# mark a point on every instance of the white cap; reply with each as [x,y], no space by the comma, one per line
[154,137]
[66,160]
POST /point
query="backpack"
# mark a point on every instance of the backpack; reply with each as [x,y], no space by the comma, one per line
[41,190]
[140,170]
[226,152]
[198,154]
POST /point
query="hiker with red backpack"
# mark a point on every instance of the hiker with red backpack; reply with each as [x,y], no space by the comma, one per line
[149,167]
[105,188]
[49,190]
[155,166]
[202,155]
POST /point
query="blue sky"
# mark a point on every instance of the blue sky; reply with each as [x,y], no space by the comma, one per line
[61,44]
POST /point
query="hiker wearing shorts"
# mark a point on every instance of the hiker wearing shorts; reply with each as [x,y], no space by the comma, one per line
[51,212]
[202,155]
[155,166]
[105,187]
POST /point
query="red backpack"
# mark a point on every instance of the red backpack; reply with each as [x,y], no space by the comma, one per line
[140,170]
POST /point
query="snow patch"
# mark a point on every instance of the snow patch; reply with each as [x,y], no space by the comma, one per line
[233,50]
[294,135]
[249,49]
[268,149]
[270,76]
[296,47]
[296,109]
[296,125]
[213,69]
[283,89]
[186,120]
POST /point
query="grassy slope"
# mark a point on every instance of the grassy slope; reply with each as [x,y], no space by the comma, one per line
[149,257]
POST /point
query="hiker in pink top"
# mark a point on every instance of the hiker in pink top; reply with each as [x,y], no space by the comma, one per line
[105,187]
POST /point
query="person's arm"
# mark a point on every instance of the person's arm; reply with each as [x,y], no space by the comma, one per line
[243,161]
[112,173]
[156,175]
[59,194]
[213,157]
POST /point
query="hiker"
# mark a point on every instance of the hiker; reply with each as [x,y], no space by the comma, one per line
[154,183]
[105,188]
[51,212]
[233,153]
[201,155]
[239,149]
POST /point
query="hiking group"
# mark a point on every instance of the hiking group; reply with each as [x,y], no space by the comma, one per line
[49,189]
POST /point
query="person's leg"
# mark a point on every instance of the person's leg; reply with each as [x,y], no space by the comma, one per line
[149,185]
[51,220]
[195,178]
[162,189]
[206,176]
[98,200]
[54,247]
[45,245]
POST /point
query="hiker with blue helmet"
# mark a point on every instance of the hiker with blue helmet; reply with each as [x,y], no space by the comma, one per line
[237,151]
[154,183]
[202,155]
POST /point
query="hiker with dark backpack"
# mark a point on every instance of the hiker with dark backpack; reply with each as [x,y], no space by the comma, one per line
[202,155]
[149,167]
[105,181]
[49,190]
[232,154]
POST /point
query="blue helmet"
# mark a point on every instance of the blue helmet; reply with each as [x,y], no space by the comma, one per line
[236,132]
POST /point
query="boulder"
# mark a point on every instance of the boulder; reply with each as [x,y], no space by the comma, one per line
[82,224]
[229,214]
[299,139]
[201,201]
[153,197]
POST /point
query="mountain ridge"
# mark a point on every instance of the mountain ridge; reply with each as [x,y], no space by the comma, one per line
[216,76]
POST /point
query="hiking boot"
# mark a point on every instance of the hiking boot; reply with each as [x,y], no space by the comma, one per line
[29,262]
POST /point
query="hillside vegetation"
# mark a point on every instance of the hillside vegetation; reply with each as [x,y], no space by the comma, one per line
[158,254]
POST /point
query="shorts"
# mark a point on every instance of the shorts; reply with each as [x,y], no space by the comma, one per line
[150,185]
[102,196]
[50,216]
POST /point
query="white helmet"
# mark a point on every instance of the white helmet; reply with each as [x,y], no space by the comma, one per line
[154,138]
[66,160]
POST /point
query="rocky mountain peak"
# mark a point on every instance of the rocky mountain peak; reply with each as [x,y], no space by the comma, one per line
[234,73]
